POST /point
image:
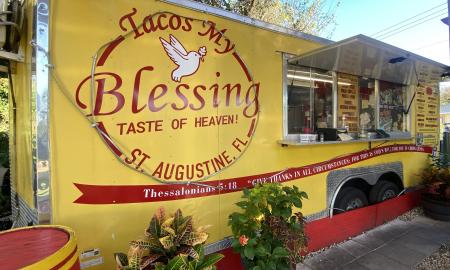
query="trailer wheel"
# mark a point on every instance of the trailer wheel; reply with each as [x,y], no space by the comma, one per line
[350,198]
[383,190]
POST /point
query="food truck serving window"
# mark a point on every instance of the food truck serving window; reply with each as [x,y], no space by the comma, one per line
[367,104]
[358,89]
[322,102]
[309,99]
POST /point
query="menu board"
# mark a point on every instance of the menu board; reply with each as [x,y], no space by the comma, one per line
[392,102]
[427,105]
[348,91]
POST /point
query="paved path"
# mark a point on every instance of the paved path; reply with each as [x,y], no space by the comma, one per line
[396,245]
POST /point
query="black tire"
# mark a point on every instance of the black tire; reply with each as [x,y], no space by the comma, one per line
[383,190]
[350,198]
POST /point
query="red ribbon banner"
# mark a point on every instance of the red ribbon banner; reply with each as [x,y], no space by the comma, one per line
[103,194]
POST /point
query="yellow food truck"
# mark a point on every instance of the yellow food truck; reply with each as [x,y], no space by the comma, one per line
[120,108]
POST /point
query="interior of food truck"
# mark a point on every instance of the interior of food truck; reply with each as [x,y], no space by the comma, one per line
[358,89]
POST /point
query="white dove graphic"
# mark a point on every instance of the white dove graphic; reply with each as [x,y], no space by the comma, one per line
[187,63]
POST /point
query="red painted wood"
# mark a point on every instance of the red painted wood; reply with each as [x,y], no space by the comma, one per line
[327,231]
[324,232]
[76,266]
[21,248]
[68,258]
[391,209]
[343,226]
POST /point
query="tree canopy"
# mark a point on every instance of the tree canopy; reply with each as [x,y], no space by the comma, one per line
[316,17]
[445,93]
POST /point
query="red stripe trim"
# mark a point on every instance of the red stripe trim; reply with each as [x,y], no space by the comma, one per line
[109,50]
[252,126]
[238,58]
[108,141]
[68,258]
[76,265]
[114,194]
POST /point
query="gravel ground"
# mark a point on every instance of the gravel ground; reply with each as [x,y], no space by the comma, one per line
[437,261]
[411,214]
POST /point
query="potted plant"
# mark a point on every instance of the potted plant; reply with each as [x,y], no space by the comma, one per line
[170,242]
[267,233]
[436,197]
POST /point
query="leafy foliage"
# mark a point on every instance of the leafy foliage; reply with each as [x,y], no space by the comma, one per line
[309,16]
[444,91]
[4,108]
[436,176]
[4,122]
[5,199]
[267,234]
[169,243]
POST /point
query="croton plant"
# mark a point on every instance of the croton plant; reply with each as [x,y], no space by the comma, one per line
[170,242]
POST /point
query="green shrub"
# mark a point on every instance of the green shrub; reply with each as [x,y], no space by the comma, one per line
[267,233]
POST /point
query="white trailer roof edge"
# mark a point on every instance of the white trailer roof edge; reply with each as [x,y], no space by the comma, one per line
[246,20]
[332,57]
[368,41]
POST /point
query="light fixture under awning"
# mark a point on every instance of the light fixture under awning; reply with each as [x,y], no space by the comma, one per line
[366,57]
